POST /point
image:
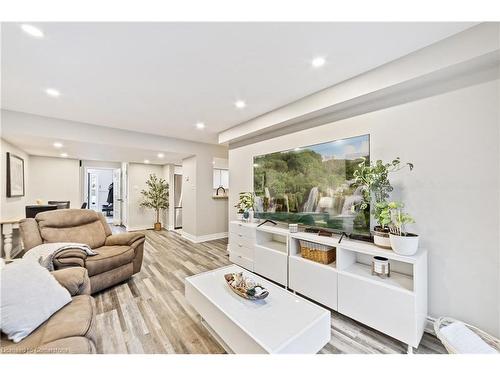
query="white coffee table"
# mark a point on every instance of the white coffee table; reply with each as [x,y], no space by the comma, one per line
[281,323]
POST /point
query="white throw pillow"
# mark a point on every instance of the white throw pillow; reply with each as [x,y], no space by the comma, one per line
[29,296]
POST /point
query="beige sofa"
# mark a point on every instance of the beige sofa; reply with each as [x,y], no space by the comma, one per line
[120,255]
[70,330]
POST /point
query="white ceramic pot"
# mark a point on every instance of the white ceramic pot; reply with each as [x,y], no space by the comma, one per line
[381,239]
[381,266]
[404,245]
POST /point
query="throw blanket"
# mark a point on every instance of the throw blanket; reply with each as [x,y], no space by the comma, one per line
[465,340]
[45,253]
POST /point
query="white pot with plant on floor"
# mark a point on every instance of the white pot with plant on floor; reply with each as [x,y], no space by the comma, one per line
[402,242]
[155,197]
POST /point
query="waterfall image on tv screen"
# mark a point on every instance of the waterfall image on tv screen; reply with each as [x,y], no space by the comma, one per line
[313,185]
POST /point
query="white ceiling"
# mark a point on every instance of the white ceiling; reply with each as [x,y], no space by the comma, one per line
[162,78]
[35,145]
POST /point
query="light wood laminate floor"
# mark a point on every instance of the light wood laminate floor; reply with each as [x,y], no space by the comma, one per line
[149,314]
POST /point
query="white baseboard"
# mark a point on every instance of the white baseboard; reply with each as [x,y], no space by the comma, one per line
[133,229]
[204,238]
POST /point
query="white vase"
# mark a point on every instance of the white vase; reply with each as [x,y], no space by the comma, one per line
[404,245]
[250,216]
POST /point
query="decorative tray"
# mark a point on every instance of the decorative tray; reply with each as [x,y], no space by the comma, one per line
[245,287]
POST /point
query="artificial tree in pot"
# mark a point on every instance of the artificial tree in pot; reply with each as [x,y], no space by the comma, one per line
[155,197]
[374,179]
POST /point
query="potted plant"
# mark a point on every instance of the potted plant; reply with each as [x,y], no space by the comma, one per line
[402,242]
[245,204]
[381,231]
[374,179]
[155,197]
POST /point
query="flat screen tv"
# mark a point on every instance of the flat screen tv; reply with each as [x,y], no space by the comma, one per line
[313,185]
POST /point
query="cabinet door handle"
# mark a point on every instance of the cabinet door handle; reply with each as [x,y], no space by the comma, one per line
[240,245]
[239,234]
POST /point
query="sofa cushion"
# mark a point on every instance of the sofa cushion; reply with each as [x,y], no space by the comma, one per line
[30,295]
[77,319]
[109,257]
[70,225]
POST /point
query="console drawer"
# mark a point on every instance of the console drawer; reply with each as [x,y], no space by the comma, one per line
[318,282]
[388,310]
[241,260]
[246,251]
[241,240]
[271,264]
[242,230]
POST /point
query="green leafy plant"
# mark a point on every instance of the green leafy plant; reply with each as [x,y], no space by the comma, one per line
[156,195]
[246,202]
[374,179]
[394,216]
[382,214]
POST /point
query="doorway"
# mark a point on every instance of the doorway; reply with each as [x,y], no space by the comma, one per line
[102,192]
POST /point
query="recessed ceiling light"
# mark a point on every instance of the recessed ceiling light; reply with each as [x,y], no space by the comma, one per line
[52,92]
[57,144]
[161,155]
[146,161]
[200,125]
[318,62]
[64,155]
[297,149]
[32,30]
[240,104]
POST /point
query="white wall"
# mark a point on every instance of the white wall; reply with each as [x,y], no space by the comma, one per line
[453,139]
[203,217]
[189,198]
[54,179]
[12,208]
[138,174]
[168,174]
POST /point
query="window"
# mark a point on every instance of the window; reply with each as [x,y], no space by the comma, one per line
[221,178]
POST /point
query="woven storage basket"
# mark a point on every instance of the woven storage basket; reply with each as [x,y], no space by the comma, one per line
[444,321]
[317,252]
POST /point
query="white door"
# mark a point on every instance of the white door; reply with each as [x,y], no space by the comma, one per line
[117,197]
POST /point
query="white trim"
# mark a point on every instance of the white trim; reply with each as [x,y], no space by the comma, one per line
[204,238]
[133,229]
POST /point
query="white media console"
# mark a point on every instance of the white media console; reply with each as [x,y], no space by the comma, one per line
[396,306]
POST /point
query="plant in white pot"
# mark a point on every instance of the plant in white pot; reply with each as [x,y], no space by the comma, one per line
[374,179]
[245,205]
[402,242]
[155,197]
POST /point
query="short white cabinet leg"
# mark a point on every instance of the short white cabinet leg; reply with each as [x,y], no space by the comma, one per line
[410,349]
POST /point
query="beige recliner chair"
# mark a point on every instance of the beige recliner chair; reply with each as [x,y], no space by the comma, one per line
[70,330]
[120,255]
